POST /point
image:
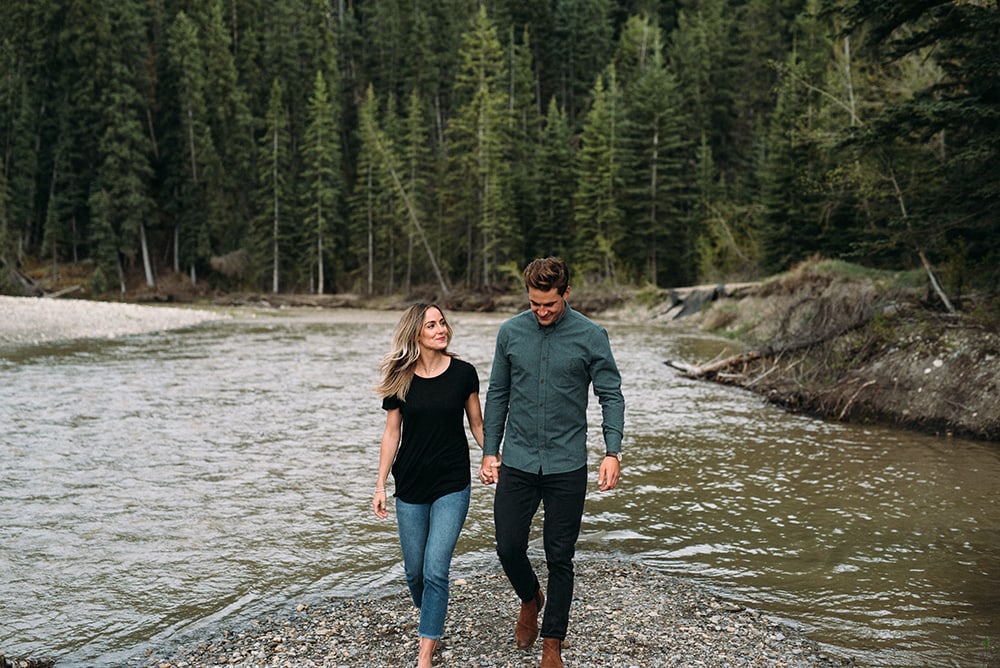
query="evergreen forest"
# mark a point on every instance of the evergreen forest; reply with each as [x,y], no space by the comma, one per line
[376,146]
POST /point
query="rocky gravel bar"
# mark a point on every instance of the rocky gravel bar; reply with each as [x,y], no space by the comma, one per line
[624,615]
[38,320]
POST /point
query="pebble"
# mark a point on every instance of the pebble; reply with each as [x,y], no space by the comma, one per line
[624,615]
[36,320]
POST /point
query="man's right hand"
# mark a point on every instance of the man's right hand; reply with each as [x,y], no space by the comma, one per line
[489,470]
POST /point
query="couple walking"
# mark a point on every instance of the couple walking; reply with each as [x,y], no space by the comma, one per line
[545,362]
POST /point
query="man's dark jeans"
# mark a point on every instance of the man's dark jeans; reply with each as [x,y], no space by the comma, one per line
[517,498]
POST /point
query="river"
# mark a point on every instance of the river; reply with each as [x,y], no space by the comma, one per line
[166,484]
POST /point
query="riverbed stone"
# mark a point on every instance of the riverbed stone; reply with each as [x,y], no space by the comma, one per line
[624,615]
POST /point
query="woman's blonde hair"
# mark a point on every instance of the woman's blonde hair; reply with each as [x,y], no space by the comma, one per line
[398,364]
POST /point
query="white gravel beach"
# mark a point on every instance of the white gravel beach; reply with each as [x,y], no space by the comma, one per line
[34,320]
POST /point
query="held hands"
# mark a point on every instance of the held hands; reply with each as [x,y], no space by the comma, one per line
[489,470]
[610,474]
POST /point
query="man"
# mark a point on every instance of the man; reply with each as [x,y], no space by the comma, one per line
[545,362]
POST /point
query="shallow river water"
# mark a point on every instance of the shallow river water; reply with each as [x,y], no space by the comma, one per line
[167,484]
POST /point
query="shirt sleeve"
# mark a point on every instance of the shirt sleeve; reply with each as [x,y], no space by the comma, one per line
[472,381]
[497,399]
[607,382]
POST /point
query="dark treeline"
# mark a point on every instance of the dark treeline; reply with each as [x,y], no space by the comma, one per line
[375,146]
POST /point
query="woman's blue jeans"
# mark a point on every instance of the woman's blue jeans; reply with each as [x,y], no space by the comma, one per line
[428,533]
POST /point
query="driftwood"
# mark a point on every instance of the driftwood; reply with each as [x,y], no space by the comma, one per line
[719,366]
[831,310]
[64,291]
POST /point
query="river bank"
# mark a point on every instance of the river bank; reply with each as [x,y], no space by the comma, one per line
[39,320]
[817,340]
[849,348]
[623,616]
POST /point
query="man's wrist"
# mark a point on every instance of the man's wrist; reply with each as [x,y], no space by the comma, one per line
[616,455]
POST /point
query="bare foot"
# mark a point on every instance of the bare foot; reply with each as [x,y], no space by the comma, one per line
[427,647]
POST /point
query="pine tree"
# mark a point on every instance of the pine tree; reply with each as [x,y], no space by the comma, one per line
[230,126]
[725,243]
[10,87]
[124,150]
[273,195]
[367,200]
[71,127]
[104,242]
[698,56]
[554,232]
[791,223]
[944,128]
[525,193]
[198,182]
[480,135]
[597,205]
[383,164]
[583,43]
[322,177]
[417,166]
[652,155]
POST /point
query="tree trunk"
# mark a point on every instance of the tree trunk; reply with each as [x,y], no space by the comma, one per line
[146,264]
[416,221]
[277,209]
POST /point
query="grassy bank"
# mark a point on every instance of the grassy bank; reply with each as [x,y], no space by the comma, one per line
[845,343]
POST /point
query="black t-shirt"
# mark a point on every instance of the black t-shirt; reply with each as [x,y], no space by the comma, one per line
[433,458]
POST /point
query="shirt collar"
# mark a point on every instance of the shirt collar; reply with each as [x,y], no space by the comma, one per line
[555,323]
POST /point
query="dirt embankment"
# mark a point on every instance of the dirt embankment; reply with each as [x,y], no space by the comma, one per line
[853,349]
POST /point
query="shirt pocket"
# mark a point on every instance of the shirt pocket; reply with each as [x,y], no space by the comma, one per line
[568,368]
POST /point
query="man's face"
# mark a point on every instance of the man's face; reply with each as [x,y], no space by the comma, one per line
[548,305]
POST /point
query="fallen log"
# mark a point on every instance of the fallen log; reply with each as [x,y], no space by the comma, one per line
[64,291]
[702,370]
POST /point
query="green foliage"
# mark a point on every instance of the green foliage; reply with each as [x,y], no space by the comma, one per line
[554,232]
[597,204]
[321,156]
[480,134]
[274,220]
[648,143]
[582,41]
[657,247]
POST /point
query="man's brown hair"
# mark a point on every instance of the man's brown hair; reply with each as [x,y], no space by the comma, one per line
[547,273]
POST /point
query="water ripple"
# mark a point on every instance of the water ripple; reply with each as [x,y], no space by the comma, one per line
[157,483]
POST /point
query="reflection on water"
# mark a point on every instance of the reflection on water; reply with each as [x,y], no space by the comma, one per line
[160,482]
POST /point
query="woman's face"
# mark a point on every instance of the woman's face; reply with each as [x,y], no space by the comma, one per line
[434,333]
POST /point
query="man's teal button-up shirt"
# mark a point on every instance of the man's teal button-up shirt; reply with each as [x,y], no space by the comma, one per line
[539,387]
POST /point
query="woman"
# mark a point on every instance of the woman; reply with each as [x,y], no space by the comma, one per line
[425,389]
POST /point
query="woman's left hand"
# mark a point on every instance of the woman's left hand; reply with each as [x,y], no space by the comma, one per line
[378,504]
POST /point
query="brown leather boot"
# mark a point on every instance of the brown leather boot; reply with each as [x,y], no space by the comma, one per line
[526,629]
[552,653]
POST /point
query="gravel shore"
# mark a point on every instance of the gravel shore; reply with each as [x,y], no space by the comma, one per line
[34,320]
[624,615]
